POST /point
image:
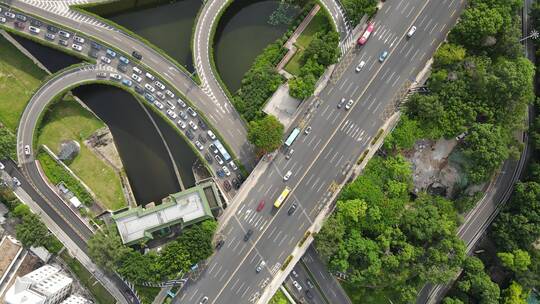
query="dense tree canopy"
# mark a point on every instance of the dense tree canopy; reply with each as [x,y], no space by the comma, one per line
[356,9]
[192,246]
[386,242]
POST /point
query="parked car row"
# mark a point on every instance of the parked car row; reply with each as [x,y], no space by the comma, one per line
[143,82]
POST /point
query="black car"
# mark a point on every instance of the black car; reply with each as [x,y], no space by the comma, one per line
[239,177]
[52,29]
[236,183]
[19,24]
[21,17]
[227,185]
[292,209]
[220,244]
[190,135]
[136,55]
[248,235]
[202,139]
[202,124]
[208,157]
[94,45]
[93,54]
[36,23]
[122,68]
[139,89]
[309,294]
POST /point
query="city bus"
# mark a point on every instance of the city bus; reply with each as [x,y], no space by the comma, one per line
[292,137]
[282,197]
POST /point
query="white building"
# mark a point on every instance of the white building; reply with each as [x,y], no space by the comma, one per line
[75,299]
[45,285]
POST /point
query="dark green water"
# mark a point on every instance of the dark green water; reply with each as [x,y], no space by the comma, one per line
[168,26]
[243,32]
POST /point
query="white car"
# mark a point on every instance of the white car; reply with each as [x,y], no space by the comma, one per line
[159,85]
[77,47]
[171,114]
[211,135]
[360,66]
[34,30]
[160,95]
[10,15]
[149,88]
[181,103]
[287,175]
[27,150]
[193,125]
[199,145]
[64,34]
[218,159]
[297,285]
[169,93]
[2,20]
[181,124]
[105,59]
[136,77]
[16,181]
[226,171]
[150,76]
[115,76]
[411,31]
[79,39]
[158,104]
[349,104]
[137,70]
[2,167]
[233,165]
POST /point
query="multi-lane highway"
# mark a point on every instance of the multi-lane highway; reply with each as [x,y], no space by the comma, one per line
[337,139]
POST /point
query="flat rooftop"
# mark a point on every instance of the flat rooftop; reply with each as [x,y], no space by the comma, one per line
[185,208]
[9,249]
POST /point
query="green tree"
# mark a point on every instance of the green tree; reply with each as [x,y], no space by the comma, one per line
[485,149]
[448,55]
[323,49]
[518,225]
[476,284]
[477,23]
[514,294]
[266,134]
[356,9]
[404,136]
[8,144]
[31,231]
[517,260]
[106,249]
[302,87]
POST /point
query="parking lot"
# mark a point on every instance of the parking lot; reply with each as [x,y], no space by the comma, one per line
[134,77]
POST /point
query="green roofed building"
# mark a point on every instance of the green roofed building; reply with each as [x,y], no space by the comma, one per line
[183,208]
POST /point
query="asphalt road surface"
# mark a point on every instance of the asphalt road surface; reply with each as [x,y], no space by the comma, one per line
[223,117]
[322,157]
[308,292]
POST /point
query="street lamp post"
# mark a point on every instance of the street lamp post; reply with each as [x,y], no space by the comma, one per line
[534,35]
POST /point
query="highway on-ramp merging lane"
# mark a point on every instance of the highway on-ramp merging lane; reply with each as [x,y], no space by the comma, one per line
[337,139]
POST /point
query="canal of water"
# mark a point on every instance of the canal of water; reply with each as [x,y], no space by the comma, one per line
[243,32]
[146,161]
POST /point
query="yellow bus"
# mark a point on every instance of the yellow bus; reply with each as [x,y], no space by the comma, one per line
[282,197]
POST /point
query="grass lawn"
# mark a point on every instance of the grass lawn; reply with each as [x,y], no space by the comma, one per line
[68,120]
[99,292]
[294,65]
[279,298]
[319,22]
[147,294]
[19,77]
